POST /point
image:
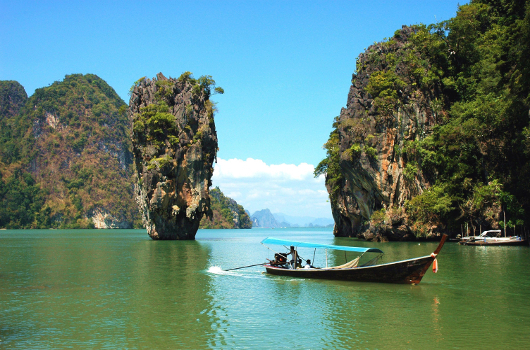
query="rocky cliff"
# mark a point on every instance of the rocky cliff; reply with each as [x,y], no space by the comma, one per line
[434,135]
[385,109]
[174,146]
[67,146]
[20,198]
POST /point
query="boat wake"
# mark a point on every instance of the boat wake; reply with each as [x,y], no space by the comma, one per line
[217,270]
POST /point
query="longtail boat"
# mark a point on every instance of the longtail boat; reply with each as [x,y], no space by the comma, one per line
[409,271]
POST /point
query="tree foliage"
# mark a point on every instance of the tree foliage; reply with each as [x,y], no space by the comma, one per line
[475,70]
[22,202]
[478,153]
[329,166]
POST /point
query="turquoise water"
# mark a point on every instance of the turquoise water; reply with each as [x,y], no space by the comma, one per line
[118,289]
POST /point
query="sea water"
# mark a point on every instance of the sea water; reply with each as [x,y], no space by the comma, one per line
[118,289]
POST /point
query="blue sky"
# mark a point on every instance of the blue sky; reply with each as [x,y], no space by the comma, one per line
[285,66]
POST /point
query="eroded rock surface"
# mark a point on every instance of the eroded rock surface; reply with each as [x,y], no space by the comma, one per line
[386,112]
[174,146]
[70,141]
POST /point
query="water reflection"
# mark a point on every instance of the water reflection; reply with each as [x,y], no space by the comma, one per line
[89,289]
[169,295]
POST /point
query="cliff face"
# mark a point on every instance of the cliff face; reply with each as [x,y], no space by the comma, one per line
[174,146]
[71,139]
[226,213]
[367,168]
[434,138]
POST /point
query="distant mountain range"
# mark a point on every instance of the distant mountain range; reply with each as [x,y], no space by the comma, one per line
[264,218]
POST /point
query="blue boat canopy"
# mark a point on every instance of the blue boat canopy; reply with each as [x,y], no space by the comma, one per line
[270,240]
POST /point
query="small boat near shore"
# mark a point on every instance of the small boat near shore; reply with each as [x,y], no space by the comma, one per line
[492,237]
[409,271]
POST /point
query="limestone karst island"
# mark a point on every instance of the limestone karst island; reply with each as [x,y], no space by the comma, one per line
[174,146]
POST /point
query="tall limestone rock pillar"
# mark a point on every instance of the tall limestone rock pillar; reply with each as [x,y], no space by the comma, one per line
[372,162]
[174,146]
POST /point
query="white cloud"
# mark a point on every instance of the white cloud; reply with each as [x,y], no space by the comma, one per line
[256,168]
[286,188]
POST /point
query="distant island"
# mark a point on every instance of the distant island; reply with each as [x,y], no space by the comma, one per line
[265,219]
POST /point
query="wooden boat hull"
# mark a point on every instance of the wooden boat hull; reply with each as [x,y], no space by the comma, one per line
[495,243]
[406,271]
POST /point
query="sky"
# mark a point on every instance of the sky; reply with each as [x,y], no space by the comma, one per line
[285,66]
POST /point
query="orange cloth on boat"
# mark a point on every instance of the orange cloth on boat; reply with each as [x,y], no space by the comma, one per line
[435,266]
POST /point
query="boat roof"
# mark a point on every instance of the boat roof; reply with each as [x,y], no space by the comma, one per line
[272,240]
[494,231]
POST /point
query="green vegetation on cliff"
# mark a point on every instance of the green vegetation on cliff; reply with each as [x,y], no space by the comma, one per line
[478,155]
[21,199]
[157,126]
[226,213]
[69,146]
[472,75]
[330,165]
[174,144]
[22,202]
